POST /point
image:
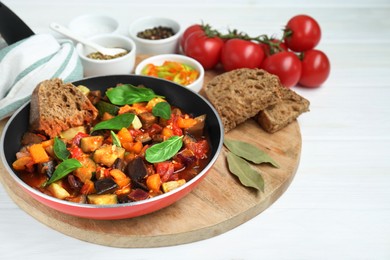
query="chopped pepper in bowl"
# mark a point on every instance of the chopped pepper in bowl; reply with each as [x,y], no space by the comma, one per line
[177,68]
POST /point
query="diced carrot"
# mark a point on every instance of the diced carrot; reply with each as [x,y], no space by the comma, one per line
[137,147]
[154,182]
[88,187]
[38,153]
[185,122]
[124,135]
[125,109]
[106,116]
[167,132]
[119,177]
[47,143]
[20,164]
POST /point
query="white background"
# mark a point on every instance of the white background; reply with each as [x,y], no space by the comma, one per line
[338,205]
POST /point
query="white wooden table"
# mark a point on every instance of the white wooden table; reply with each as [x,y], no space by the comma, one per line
[338,205]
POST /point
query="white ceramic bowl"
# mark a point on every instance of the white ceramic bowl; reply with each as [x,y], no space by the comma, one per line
[120,65]
[196,86]
[162,46]
[89,25]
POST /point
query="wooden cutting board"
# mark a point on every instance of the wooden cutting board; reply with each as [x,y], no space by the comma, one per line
[220,203]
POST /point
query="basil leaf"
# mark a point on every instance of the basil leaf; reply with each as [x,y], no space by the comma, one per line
[162,109]
[247,175]
[60,149]
[116,123]
[128,94]
[115,139]
[64,169]
[249,152]
[165,150]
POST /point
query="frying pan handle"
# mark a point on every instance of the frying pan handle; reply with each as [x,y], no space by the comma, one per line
[12,28]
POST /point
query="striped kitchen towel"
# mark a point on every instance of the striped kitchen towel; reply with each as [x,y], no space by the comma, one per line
[26,63]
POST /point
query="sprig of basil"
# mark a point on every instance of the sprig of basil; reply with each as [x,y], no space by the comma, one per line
[63,169]
[248,176]
[115,123]
[60,149]
[165,150]
[162,109]
[128,94]
[249,152]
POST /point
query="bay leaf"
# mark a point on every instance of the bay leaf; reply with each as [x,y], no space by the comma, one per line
[249,152]
[247,175]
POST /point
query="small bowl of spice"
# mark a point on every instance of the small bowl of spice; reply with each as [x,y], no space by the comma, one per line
[177,68]
[97,64]
[155,35]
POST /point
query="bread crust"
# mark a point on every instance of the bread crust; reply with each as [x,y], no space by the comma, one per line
[57,106]
[278,116]
[240,94]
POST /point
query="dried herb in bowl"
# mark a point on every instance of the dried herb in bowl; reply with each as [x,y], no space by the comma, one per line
[100,56]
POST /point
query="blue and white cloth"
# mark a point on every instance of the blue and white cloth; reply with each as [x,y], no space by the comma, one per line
[24,64]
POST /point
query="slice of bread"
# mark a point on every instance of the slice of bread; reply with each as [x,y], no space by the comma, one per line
[278,116]
[240,94]
[56,106]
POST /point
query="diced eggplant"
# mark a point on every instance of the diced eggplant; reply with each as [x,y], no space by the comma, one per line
[107,154]
[86,171]
[105,185]
[186,156]
[31,138]
[138,194]
[94,96]
[58,191]
[171,185]
[147,119]
[119,164]
[139,185]
[91,143]
[102,199]
[47,168]
[136,169]
[197,129]
[144,138]
[74,182]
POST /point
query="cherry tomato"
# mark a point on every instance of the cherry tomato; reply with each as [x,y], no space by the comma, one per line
[305,33]
[274,46]
[238,53]
[206,50]
[315,68]
[286,65]
[187,32]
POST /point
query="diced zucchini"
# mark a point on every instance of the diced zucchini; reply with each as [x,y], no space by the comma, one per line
[136,123]
[107,154]
[58,191]
[104,107]
[83,89]
[71,132]
[103,199]
[171,185]
[91,143]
